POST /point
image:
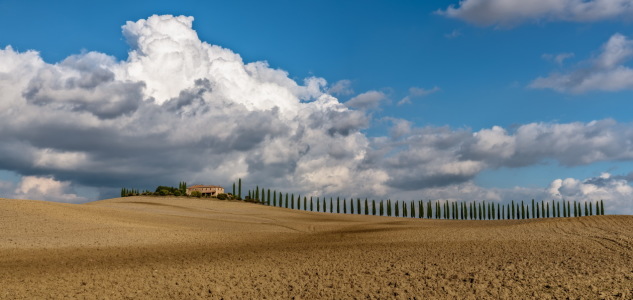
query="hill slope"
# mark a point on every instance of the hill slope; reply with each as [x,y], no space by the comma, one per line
[146,247]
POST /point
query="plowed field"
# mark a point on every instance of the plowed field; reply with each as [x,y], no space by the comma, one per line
[152,248]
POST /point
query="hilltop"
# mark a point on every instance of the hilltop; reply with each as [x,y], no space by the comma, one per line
[157,247]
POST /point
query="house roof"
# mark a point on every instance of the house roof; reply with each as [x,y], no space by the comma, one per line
[203,186]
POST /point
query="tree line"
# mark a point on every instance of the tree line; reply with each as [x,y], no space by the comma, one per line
[438,209]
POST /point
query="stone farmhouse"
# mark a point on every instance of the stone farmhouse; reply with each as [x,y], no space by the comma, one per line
[206,190]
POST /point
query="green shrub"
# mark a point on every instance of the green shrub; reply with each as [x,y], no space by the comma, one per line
[196,194]
[222,196]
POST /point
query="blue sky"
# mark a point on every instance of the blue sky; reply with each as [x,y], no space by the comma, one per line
[475,68]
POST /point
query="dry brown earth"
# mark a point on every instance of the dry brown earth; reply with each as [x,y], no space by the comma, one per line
[147,247]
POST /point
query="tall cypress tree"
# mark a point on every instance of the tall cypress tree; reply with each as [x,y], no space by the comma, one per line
[351,205]
[324,207]
[373,206]
[412,209]
[331,205]
[344,206]
[421,209]
[382,208]
[311,204]
[590,209]
[287,201]
[366,207]
[397,209]
[586,209]
[239,188]
[268,197]
[522,210]
[318,204]
[404,210]
[601,207]
[388,208]
[338,205]
[358,206]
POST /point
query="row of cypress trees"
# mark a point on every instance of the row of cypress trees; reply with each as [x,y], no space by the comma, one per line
[450,210]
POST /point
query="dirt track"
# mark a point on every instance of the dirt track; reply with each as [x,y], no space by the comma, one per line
[145,247]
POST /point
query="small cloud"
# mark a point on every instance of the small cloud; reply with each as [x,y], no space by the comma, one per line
[508,13]
[453,34]
[415,92]
[341,88]
[559,59]
[367,100]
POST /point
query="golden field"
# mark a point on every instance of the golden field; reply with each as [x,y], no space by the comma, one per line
[152,248]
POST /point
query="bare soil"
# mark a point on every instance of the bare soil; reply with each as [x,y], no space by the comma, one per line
[152,248]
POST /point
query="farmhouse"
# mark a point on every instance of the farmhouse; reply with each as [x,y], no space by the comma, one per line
[206,190]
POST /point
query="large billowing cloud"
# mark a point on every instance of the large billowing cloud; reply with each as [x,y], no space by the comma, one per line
[512,12]
[181,109]
[606,72]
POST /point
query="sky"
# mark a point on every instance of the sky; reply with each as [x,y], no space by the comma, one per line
[495,100]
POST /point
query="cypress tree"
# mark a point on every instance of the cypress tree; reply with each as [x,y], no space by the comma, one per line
[338,205]
[586,209]
[438,214]
[324,207]
[351,205]
[420,209]
[239,189]
[404,210]
[366,207]
[547,209]
[429,210]
[412,209]
[331,205]
[397,210]
[292,201]
[373,206]
[299,202]
[311,204]
[382,208]
[287,201]
[344,206]
[358,206]
[513,212]
[601,207]
[388,208]
[590,209]
[522,210]
[268,197]
[318,205]
[305,203]
[234,189]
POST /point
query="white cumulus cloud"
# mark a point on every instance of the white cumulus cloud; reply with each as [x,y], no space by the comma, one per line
[606,72]
[45,188]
